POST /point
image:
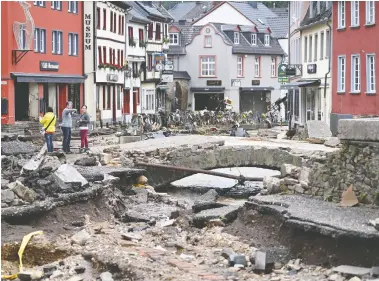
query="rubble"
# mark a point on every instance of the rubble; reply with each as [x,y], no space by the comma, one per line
[69,179]
[226,214]
[22,191]
[206,201]
[17,147]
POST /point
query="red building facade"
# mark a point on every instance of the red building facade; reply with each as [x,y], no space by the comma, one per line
[41,58]
[355,67]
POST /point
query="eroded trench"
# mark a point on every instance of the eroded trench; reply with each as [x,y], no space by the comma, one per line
[262,230]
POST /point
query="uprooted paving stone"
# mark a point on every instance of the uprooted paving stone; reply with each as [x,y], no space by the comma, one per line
[96,173]
[17,147]
[69,179]
[206,201]
[226,214]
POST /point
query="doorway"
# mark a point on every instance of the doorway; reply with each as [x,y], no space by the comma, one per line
[21,101]
[62,99]
[253,101]
[126,102]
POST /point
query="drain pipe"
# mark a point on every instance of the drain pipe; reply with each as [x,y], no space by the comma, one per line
[329,55]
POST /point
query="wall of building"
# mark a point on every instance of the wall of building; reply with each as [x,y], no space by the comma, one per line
[362,41]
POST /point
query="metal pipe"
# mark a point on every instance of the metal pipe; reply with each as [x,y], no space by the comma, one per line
[240,178]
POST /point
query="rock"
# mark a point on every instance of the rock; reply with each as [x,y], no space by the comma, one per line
[375,223]
[131,236]
[96,173]
[22,191]
[32,165]
[106,276]
[30,275]
[289,170]
[4,183]
[80,238]
[77,223]
[108,179]
[105,158]
[50,165]
[76,278]
[318,129]
[57,274]
[226,214]
[69,178]
[133,216]
[315,140]
[271,184]
[332,142]
[352,270]
[335,277]
[216,223]
[17,147]
[304,174]
[49,268]
[206,201]
[80,269]
[355,278]
[375,270]
[298,188]
[86,161]
[290,181]
[142,180]
[7,196]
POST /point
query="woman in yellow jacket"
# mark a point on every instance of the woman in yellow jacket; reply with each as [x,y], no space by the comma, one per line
[48,121]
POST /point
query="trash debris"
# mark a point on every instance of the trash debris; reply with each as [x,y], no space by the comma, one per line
[348,198]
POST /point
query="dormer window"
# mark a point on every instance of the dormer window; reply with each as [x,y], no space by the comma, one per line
[267,40]
[236,38]
[254,39]
[174,38]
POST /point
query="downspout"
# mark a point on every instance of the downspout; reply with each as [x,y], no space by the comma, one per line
[329,55]
[127,20]
[288,56]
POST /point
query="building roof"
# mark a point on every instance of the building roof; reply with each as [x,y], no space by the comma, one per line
[150,10]
[138,16]
[189,10]
[183,75]
[280,12]
[187,32]
[278,26]
[325,13]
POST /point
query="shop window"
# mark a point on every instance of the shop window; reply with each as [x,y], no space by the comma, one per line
[74,95]
[73,7]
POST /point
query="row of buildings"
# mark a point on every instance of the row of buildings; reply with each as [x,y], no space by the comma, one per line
[121,58]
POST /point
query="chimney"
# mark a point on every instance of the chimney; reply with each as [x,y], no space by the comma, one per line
[182,22]
[253,4]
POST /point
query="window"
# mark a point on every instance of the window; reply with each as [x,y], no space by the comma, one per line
[140,35]
[311,12]
[236,38]
[57,44]
[104,97]
[39,3]
[98,18]
[122,25]
[310,48]
[110,55]
[267,40]
[316,46]
[39,40]
[305,48]
[322,45]
[56,5]
[109,97]
[355,73]
[149,99]
[122,58]
[149,62]
[370,12]
[273,67]
[119,25]
[104,54]
[157,31]
[254,39]
[354,13]
[104,19]
[73,7]
[208,41]
[111,21]
[208,66]
[341,74]
[257,67]
[370,75]
[341,14]
[174,38]
[150,31]
[73,46]
[240,66]
[118,57]
[99,56]
[114,23]
[327,44]
[130,35]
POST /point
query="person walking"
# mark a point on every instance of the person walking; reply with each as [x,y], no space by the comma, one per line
[48,121]
[83,127]
[66,126]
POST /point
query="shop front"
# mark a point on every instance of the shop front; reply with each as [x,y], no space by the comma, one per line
[206,97]
[255,99]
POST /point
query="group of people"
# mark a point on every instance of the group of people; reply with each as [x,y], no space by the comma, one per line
[49,121]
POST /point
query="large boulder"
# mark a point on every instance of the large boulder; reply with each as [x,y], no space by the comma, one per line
[22,191]
[69,179]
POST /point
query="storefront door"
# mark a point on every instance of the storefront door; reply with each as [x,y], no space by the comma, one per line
[209,100]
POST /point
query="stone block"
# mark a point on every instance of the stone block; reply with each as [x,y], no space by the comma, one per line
[271,184]
[68,177]
[288,170]
[7,196]
[364,129]
[352,270]
[318,130]
[332,142]
[129,139]
[22,191]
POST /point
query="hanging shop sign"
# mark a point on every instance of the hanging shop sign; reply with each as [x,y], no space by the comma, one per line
[312,68]
[48,66]
[112,77]
[255,82]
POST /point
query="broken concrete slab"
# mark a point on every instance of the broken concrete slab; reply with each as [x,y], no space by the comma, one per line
[22,191]
[86,161]
[363,129]
[17,147]
[206,201]
[318,129]
[96,173]
[7,196]
[352,270]
[129,139]
[314,214]
[289,170]
[68,178]
[332,142]
[226,214]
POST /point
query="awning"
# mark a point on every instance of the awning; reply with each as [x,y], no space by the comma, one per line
[252,89]
[48,78]
[301,84]
[207,89]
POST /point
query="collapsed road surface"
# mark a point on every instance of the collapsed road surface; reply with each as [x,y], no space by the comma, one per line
[106,224]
